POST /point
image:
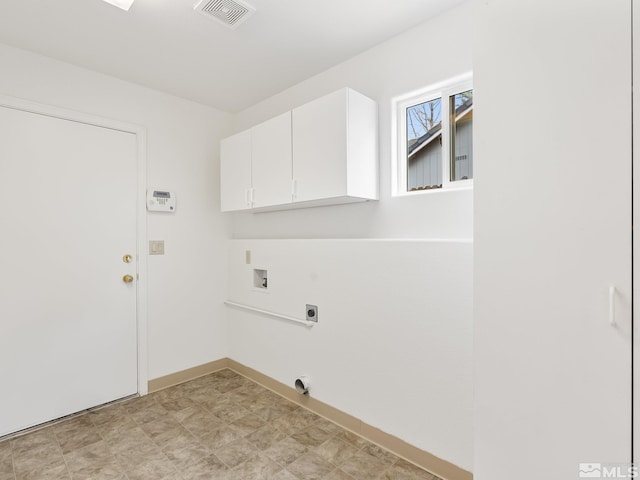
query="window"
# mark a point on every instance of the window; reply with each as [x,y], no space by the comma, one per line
[435,138]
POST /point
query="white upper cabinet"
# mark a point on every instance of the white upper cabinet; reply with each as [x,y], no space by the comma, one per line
[335,148]
[271,161]
[324,152]
[235,172]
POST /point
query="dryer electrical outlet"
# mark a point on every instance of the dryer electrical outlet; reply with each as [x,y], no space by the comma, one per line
[312,313]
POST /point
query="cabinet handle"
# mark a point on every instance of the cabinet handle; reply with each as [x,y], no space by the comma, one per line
[294,188]
[253,196]
[247,197]
[612,305]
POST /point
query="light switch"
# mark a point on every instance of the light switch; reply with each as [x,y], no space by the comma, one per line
[156,247]
[247,257]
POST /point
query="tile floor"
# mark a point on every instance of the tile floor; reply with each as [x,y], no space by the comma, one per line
[221,426]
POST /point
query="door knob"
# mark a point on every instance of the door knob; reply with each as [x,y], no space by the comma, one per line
[127,258]
[127,279]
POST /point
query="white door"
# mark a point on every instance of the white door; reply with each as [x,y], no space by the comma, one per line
[68,216]
[552,234]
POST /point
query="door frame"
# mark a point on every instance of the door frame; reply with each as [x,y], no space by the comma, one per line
[141,214]
[635,209]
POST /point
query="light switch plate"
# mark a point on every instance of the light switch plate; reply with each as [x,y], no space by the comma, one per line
[156,247]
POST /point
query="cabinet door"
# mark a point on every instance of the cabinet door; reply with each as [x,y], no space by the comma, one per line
[320,148]
[271,161]
[552,235]
[235,172]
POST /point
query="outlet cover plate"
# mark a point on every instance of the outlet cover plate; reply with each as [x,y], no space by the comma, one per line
[156,247]
[312,313]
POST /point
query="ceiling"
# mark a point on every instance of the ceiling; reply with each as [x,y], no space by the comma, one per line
[166,45]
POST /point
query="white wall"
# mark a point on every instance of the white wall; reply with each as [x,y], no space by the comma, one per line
[186,286]
[380,366]
[393,341]
[552,234]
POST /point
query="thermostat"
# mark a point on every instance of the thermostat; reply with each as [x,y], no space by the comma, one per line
[161,201]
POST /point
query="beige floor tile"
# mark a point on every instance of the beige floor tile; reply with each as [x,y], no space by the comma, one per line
[45,436]
[195,411]
[405,468]
[338,474]
[189,455]
[312,436]
[115,425]
[229,385]
[236,452]
[169,394]
[6,467]
[220,437]
[27,459]
[176,439]
[274,411]
[363,466]
[178,404]
[52,471]
[310,467]
[295,421]
[157,469]
[380,453]
[5,450]
[248,424]
[107,414]
[335,451]
[148,414]
[285,451]
[265,436]
[394,474]
[253,389]
[122,440]
[352,438]
[226,411]
[284,475]
[199,423]
[138,454]
[258,467]
[96,460]
[71,441]
[205,394]
[208,468]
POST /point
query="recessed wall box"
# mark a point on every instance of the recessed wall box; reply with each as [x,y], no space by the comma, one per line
[260,279]
[161,201]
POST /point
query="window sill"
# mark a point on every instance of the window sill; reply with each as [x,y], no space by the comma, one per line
[458,186]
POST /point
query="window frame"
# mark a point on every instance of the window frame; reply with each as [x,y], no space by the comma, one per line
[442,90]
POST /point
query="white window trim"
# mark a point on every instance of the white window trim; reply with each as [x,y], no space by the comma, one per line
[399,105]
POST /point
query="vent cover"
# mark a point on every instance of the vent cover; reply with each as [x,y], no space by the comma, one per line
[228,12]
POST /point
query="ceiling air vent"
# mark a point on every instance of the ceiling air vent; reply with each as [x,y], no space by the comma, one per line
[229,12]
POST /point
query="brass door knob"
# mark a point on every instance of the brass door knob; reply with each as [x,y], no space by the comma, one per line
[127,279]
[127,258]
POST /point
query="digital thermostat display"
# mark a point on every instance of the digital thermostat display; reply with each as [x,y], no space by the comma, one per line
[161,201]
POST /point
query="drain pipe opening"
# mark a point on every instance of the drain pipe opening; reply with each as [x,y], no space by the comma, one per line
[302,385]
